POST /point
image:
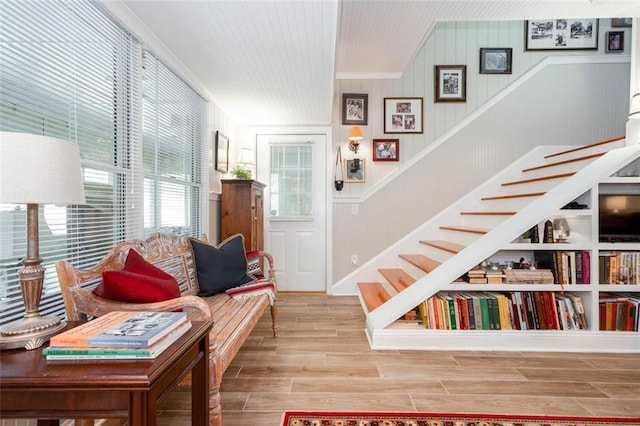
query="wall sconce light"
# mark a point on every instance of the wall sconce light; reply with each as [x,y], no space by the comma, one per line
[355,136]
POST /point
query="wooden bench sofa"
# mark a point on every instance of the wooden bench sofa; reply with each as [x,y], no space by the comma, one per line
[233,317]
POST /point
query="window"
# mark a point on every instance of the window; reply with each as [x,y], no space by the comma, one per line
[174,124]
[68,71]
[291,181]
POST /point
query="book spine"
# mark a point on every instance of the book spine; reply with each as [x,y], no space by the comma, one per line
[93,352]
[95,357]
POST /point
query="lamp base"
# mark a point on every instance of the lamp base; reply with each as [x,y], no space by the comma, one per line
[30,332]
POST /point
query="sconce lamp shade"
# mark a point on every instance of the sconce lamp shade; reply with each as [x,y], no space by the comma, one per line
[355,136]
[246,157]
[39,169]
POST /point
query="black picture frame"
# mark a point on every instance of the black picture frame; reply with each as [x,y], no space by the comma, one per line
[615,42]
[355,108]
[450,83]
[561,34]
[222,152]
[495,60]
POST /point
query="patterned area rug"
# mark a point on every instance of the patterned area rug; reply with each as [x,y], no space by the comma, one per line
[297,418]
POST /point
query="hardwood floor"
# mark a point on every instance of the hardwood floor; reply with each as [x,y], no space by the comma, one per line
[322,361]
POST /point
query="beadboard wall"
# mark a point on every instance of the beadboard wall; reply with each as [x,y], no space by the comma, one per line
[559,103]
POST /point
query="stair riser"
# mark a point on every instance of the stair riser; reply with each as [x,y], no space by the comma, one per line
[463,238]
[488,222]
[553,170]
[537,186]
[509,204]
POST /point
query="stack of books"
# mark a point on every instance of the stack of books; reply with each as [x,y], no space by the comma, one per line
[477,276]
[119,335]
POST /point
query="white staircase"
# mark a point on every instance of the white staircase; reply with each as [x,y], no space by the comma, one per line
[488,219]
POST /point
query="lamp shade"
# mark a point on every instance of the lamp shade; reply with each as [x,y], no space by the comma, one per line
[246,157]
[355,134]
[38,169]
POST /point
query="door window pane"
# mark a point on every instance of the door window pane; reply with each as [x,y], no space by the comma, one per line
[291,181]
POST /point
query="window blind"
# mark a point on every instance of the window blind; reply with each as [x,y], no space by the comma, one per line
[68,71]
[174,160]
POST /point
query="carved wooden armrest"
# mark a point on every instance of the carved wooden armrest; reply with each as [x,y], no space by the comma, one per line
[89,304]
[268,266]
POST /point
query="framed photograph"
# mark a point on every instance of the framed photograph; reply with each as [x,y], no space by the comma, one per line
[561,34]
[621,22]
[615,42]
[354,108]
[403,115]
[354,170]
[495,60]
[222,153]
[451,83]
[386,150]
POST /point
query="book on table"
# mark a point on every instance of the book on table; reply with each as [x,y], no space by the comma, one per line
[128,329]
[53,353]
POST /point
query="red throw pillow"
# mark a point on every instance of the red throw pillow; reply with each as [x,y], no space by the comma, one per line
[138,282]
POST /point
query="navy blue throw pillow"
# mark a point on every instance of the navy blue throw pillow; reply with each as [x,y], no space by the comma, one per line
[221,267]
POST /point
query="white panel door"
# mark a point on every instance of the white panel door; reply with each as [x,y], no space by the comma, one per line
[293,167]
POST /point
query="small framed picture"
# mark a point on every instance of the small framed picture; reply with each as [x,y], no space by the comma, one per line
[354,170]
[386,150]
[354,108]
[615,42]
[495,60]
[451,83]
[222,153]
[561,34]
[403,115]
[621,22]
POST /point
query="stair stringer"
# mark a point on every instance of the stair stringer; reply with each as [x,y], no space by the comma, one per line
[497,238]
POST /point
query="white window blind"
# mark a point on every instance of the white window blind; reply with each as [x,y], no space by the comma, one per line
[68,71]
[174,124]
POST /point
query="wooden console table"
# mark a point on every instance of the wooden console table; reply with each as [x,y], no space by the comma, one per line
[32,387]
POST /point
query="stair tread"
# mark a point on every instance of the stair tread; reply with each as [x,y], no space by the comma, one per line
[521,195]
[559,163]
[493,213]
[539,179]
[568,151]
[444,245]
[397,277]
[374,294]
[421,261]
[466,229]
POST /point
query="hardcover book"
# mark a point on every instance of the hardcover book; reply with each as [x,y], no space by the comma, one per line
[121,329]
[152,352]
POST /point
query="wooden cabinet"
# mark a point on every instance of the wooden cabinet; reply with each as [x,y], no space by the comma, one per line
[242,211]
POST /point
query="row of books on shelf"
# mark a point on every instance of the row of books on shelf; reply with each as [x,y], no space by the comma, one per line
[619,267]
[119,335]
[518,310]
[567,267]
[619,312]
[512,276]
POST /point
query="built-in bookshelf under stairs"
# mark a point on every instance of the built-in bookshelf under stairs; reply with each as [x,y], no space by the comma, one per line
[435,257]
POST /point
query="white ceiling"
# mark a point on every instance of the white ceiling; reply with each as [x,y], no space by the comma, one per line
[273,62]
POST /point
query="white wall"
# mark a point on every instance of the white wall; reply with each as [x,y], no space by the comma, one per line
[571,104]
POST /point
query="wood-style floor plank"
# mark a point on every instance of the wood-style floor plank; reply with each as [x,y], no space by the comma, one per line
[322,362]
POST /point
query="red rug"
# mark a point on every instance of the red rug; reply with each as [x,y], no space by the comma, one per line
[301,418]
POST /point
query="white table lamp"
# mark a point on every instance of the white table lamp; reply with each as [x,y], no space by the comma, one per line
[36,170]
